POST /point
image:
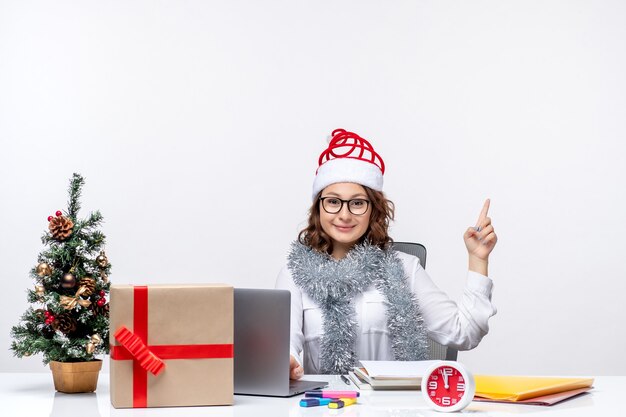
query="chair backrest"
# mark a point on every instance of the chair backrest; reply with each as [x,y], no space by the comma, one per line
[437,350]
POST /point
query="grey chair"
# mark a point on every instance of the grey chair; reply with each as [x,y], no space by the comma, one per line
[437,351]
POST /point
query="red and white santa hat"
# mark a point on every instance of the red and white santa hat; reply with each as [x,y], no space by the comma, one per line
[349,158]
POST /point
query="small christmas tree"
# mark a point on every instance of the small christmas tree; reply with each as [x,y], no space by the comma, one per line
[71,286]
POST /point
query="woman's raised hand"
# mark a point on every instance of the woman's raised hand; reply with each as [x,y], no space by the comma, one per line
[480,240]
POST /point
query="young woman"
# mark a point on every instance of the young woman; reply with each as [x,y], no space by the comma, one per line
[352,296]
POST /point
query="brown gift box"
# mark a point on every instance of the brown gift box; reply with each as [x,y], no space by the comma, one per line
[179,318]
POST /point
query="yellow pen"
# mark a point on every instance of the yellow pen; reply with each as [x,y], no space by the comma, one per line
[341,402]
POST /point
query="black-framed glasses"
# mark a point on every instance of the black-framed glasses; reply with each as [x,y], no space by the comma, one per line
[356,206]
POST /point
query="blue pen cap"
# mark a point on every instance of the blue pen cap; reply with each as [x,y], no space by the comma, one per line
[314,394]
[314,402]
[309,402]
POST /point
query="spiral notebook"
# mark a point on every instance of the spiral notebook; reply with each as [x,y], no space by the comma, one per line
[403,375]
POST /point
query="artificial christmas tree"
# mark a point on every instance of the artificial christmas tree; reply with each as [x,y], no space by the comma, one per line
[71,286]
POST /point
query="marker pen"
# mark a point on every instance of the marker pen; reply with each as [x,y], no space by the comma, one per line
[332,394]
[314,402]
[342,402]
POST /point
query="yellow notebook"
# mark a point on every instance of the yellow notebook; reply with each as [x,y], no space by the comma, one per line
[516,388]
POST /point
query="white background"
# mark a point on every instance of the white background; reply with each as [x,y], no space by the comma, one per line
[197,126]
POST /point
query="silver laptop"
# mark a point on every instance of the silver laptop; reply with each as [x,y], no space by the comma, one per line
[262,344]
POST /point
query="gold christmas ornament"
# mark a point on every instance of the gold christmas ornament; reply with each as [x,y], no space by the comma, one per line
[69,303]
[60,227]
[68,281]
[96,339]
[43,269]
[90,348]
[102,260]
[40,290]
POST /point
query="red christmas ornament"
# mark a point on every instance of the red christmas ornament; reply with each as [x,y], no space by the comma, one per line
[49,318]
[49,218]
[102,293]
[101,302]
[58,213]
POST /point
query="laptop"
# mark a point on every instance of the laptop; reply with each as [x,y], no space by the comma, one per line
[262,326]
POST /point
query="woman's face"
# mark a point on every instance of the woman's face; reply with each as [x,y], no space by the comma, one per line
[344,227]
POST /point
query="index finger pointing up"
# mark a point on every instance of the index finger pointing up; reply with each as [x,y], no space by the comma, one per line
[483,212]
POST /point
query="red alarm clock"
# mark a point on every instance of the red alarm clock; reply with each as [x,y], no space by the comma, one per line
[448,386]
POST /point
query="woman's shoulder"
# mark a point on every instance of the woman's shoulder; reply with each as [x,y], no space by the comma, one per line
[284,278]
[285,270]
[410,262]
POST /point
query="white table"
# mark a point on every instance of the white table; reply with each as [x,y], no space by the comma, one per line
[32,394]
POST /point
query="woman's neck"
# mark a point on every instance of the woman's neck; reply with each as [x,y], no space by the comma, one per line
[340,250]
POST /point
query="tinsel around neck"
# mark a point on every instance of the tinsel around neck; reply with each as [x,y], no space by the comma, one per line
[333,284]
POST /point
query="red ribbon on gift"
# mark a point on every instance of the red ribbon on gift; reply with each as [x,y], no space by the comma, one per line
[150,357]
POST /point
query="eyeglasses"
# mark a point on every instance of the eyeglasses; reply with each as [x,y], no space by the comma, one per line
[356,206]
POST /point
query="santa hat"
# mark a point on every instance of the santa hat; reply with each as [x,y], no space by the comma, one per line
[349,158]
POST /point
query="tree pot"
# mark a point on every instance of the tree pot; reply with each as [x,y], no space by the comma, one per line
[71,377]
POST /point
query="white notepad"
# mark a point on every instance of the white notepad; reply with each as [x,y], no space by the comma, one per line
[397,369]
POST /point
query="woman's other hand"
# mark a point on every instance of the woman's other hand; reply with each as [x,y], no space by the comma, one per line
[295,369]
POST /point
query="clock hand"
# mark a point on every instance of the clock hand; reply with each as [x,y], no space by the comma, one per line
[445,378]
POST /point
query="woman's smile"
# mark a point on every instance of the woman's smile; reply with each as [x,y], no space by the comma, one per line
[343,228]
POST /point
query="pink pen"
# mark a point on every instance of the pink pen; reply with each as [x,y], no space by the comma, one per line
[332,394]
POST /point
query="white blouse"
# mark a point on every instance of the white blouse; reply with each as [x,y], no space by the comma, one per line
[459,326]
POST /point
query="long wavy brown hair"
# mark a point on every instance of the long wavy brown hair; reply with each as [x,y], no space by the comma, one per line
[377,232]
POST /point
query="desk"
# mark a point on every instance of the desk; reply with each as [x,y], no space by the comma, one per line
[32,394]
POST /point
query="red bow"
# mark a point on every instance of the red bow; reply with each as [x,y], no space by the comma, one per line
[147,360]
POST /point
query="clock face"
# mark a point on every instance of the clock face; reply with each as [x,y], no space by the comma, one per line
[448,387]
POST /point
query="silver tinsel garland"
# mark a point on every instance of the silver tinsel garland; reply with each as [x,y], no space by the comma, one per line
[333,284]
